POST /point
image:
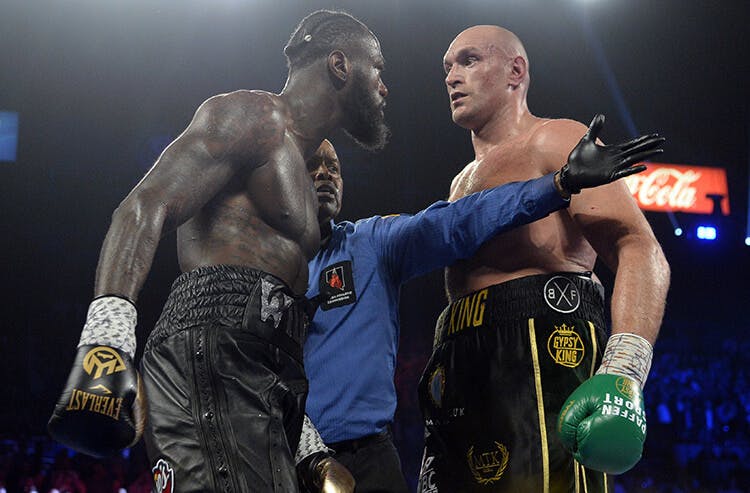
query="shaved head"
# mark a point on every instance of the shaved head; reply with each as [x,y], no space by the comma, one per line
[487,72]
[493,38]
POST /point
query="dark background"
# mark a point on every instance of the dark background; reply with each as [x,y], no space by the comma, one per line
[102,86]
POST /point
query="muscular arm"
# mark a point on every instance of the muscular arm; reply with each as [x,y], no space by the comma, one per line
[623,239]
[227,132]
[613,225]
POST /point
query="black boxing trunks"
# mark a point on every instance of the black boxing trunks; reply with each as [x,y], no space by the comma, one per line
[505,360]
[226,388]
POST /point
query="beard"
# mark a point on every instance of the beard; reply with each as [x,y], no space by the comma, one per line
[367,125]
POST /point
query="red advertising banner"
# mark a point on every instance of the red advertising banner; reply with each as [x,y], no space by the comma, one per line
[679,187]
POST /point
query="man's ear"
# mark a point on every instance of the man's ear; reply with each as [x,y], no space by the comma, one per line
[518,70]
[338,67]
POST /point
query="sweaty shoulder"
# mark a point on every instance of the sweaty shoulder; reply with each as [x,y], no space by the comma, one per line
[552,140]
[245,123]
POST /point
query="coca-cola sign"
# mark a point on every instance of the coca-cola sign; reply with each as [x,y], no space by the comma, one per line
[679,187]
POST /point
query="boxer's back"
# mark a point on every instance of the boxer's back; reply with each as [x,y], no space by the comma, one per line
[551,244]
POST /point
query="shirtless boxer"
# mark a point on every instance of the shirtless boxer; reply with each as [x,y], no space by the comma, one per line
[526,322]
[222,369]
[350,352]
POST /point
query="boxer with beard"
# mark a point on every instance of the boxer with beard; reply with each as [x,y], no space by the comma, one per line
[222,370]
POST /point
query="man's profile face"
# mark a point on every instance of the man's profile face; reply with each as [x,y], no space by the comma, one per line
[325,170]
[365,102]
[474,78]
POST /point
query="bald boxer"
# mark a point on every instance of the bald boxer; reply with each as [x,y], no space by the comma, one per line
[525,327]
[350,353]
[222,369]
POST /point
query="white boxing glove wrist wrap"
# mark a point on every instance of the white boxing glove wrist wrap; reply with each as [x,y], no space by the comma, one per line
[111,321]
[310,441]
[628,355]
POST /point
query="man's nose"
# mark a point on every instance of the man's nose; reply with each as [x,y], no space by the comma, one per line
[322,173]
[452,77]
[383,90]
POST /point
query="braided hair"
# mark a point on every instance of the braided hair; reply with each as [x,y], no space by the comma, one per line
[319,33]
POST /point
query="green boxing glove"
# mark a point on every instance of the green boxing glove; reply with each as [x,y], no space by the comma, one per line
[603,422]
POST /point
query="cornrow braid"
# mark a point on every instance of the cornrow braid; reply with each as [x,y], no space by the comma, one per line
[319,33]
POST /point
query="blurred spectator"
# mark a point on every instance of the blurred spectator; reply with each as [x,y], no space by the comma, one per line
[63,478]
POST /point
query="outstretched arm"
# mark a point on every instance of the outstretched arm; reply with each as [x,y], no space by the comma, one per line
[445,232]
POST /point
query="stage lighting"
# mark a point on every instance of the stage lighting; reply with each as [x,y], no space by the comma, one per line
[747,241]
[678,231]
[706,233]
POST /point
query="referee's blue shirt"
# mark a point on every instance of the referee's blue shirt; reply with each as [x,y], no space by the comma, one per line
[350,352]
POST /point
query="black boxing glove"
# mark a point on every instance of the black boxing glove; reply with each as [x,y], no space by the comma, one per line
[102,407]
[591,165]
